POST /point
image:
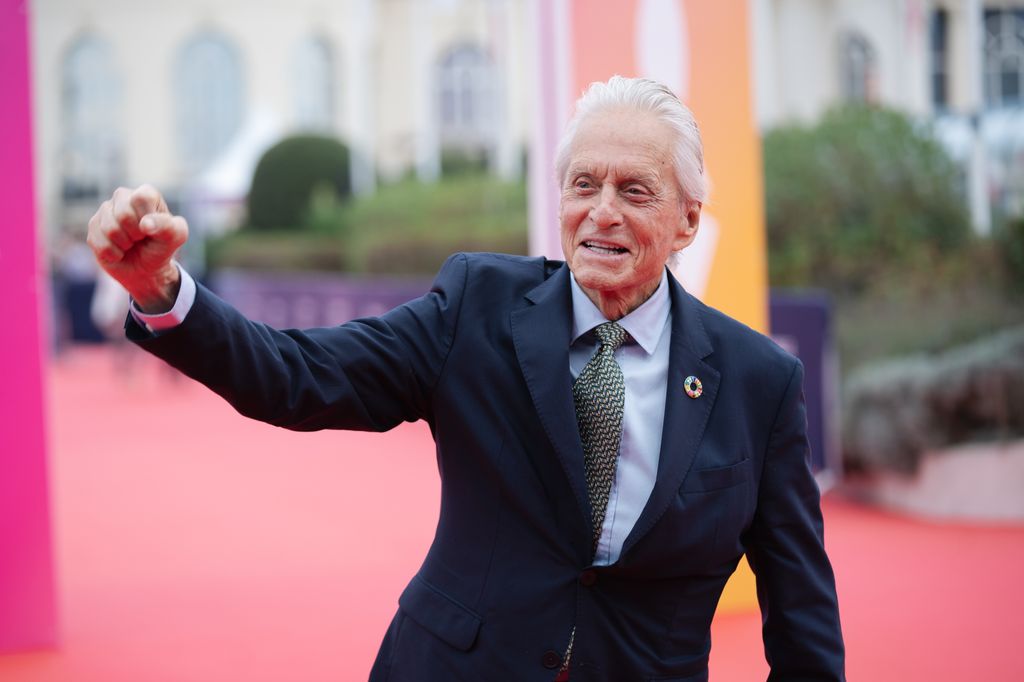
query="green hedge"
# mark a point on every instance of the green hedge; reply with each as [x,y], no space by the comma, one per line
[404,228]
[289,175]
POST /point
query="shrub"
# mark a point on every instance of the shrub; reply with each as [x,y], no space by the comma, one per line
[424,256]
[287,175]
[411,227]
[287,251]
[404,228]
[1010,245]
[896,410]
[456,161]
[859,199]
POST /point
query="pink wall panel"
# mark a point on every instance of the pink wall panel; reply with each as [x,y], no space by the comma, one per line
[27,613]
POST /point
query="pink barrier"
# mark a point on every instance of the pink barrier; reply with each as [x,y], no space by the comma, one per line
[27,611]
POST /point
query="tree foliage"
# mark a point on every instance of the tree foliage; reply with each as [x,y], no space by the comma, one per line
[858,199]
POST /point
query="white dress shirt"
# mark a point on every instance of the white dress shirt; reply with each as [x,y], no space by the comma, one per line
[644,362]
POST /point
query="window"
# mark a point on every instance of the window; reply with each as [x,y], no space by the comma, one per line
[209,99]
[91,155]
[313,85]
[1004,57]
[466,82]
[857,64]
[939,52]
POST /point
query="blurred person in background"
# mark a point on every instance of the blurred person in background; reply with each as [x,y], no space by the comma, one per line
[609,446]
[74,284]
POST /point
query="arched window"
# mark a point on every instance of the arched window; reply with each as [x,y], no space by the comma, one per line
[858,68]
[939,44]
[1004,57]
[313,85]
[466,82]
[91,155]
[209,96]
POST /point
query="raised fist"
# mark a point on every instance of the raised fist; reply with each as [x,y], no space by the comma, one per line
[134,237]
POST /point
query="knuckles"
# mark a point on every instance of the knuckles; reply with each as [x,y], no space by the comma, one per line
[108,254]
[114,227]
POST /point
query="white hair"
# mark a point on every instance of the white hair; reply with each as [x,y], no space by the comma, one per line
[643,95]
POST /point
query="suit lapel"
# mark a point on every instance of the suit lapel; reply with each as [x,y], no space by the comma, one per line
[541,333]
[685,417]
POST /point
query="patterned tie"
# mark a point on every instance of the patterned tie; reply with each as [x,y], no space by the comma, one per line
[600,393]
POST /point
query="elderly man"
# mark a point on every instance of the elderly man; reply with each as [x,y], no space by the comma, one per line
[609,447]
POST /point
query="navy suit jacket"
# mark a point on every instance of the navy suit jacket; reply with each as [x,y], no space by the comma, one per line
[483,359]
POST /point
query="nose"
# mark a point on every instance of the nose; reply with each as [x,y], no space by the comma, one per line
[605,213]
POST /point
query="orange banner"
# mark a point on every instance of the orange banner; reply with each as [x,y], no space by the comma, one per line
[702,51]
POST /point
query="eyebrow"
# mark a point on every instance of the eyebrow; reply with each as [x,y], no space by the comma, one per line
[643,178]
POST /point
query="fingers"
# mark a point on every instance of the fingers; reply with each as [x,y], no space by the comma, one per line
[100,227]
[164,227]
[147,199]
[126,218]
[132,219]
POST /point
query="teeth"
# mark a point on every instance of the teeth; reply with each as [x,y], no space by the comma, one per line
[603,249]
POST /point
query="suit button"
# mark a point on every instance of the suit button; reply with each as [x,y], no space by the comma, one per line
[588,578]
[551,660]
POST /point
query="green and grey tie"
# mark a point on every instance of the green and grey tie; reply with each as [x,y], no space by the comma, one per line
[600,395]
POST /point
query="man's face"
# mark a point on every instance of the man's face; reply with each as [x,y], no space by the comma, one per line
[622,214]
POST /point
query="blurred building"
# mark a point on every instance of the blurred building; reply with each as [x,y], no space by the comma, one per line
[187,95]
[956,63]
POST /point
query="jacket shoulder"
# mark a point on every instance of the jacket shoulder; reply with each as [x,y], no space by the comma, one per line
[509,265]
[502,273]
[739,345]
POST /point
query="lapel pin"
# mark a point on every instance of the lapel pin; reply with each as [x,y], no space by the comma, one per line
[693,386]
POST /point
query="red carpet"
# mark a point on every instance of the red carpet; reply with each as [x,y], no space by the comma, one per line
[194,545]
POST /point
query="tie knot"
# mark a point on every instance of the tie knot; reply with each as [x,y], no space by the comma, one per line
[611,335]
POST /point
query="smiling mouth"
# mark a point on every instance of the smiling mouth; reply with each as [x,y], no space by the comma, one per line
[604,249]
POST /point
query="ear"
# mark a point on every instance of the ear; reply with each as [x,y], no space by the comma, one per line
[687,231]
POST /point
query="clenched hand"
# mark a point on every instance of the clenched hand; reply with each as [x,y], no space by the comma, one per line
[134,237]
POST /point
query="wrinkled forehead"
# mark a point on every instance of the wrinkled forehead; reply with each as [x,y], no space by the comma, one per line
[623,143]
[626,168]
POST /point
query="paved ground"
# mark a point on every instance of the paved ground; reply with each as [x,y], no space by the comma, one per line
[193,545]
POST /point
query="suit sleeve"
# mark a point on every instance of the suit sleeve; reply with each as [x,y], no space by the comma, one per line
[368,374]
[795,584]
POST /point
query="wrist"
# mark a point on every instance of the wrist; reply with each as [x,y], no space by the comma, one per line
[157,294]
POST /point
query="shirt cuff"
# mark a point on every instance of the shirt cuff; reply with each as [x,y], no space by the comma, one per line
[161,322]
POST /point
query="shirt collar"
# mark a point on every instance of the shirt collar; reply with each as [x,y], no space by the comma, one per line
[643,324]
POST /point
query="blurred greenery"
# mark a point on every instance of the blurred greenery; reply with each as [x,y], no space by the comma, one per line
[861,201]
[404,228]
[293,173]
[462,162]
[873,328]
[1009,242]
[866,205]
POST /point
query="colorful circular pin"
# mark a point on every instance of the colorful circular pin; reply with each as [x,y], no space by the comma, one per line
[693,386]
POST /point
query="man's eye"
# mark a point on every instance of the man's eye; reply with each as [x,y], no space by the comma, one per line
[583,184]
